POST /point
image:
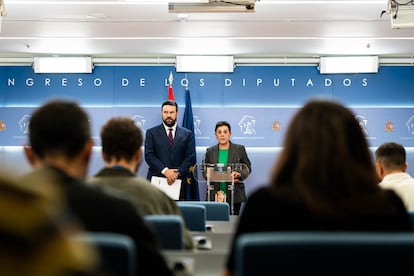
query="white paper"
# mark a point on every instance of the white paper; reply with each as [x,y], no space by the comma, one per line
[172,190]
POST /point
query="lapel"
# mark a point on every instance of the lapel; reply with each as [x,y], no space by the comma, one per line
[214,154]
[177,136]
[177,133]
[164,136]
[232,154]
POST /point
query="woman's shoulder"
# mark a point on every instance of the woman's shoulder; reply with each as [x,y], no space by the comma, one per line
[213,147]
[234,146]
[261,193]
[393,198]
[276,205]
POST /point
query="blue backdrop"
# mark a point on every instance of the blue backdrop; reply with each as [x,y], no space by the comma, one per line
[258,101]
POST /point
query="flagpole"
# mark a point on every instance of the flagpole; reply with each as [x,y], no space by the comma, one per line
[192,192]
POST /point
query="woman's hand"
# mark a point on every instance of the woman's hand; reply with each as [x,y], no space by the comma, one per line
[236,176]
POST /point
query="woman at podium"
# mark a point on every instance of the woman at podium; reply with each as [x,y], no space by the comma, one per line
[227,157]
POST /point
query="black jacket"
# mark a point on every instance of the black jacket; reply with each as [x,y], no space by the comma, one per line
[99,211]
[237,154]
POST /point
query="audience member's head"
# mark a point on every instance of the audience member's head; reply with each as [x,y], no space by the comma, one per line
[325,160]
[37,234]
[121,141]
[390,157]
[59,135]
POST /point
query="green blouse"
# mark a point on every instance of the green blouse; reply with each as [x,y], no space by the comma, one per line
[223,157]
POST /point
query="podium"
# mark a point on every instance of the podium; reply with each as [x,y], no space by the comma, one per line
[214,173]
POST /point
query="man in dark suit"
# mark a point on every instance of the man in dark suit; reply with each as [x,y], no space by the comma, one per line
[169,157]
[60,148]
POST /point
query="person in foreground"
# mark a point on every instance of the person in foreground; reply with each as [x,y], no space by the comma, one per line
[169,158]
[121,142]
[226,152]
[391,165]
[324,180]
[61,145]
[38,235]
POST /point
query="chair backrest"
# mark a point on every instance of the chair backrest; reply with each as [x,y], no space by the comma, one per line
[411,213]
[168,229]
[214,210]
[117,252]
[304,253]
[194,216]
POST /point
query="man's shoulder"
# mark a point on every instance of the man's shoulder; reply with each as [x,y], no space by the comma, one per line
[107,198]
[127,184]
[122,181]
[184,131]
[78,192]
[45,172]
[397,179]
[149,198]
[50,175]
[154,128]
[144,186]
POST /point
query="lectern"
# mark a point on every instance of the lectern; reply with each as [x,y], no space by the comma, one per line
[216,173]
[220,173]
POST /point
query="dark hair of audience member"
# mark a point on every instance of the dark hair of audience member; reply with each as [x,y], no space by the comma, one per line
[69,139]
[120,138]
[326,161]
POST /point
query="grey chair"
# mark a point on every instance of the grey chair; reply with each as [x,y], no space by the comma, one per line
[194,216]
[117,252]
[322,253]
[168,229]
[214,210]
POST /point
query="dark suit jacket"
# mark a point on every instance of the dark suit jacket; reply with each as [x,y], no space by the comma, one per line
[159,154]
[99,211]
[237,154]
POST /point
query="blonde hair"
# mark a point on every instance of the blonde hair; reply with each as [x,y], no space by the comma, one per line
[37,236]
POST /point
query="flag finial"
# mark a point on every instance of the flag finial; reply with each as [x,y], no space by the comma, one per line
[170,78]
[170,89]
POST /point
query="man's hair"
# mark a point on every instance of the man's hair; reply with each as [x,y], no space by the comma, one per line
[59,127]
[172,103]
[391,155]
[121,138]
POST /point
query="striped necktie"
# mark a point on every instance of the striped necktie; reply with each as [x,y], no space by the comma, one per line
[170,136]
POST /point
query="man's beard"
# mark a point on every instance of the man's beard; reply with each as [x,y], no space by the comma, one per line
[169,124]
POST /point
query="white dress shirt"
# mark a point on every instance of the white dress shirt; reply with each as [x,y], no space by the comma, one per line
[167,129]
[403,184]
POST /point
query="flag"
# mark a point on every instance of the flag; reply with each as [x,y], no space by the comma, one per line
[170,88]
[188,123]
